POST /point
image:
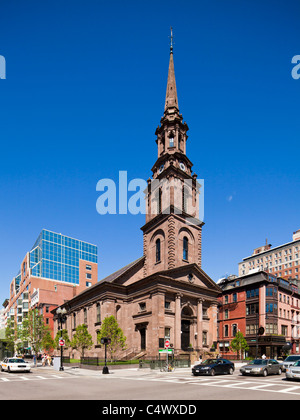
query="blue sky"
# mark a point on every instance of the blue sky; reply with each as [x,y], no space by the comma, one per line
[84,93]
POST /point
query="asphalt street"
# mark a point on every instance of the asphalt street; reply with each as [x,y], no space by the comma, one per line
[45,383]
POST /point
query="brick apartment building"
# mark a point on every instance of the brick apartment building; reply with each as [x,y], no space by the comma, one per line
[165,293]
[282,261]
[259,300]
[55,270]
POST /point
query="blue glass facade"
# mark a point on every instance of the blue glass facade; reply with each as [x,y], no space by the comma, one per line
[55,256]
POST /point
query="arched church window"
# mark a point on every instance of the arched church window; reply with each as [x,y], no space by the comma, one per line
[184,198]
[157,245]
[159,200]
[185,248]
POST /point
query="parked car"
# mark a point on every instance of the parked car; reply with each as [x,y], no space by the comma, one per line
[14,364]
[262,367]
[293,371]
[290,360]
[213,367]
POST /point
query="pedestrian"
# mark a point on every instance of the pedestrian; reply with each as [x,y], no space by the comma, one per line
[44,359]
[200,358]
[263,356]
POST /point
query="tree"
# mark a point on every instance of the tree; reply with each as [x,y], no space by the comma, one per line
[62,334]
[110,329]
[239,344]
[33,330]
[10,336]
[82,340]
[48,343]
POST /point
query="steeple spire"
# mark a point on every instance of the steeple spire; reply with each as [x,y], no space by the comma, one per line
[171,95]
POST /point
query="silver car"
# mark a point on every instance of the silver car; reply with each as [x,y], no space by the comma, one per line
[290,360]
[293,371]
[262,367]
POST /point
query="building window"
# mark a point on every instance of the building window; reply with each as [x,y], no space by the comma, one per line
[204,338]
[184,198]
[226,331]
[167,332]
[157,244]
[98,313]
[171,141]
[185,248]
[88,275]
[88,267]
[88,284]
[159,200]
[74,320]
[85,316]
[142,306]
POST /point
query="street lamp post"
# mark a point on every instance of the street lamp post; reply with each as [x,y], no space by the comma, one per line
[105,341]
[61,316]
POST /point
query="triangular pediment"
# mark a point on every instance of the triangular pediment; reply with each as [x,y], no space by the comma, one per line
[191,274]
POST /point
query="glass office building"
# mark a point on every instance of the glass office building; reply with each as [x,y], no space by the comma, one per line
[55,256]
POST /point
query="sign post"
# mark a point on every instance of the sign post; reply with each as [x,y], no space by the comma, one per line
[167,345]
[61,342]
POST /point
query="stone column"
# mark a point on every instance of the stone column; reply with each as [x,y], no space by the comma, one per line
[214,322]
[177,332]
[158,323]
[199,323]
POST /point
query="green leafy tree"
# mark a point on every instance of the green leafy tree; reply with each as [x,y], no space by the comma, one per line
[48,343]
[62,334]
[110,329]
[10,336]
[33,330]
[239,344]
[82,340]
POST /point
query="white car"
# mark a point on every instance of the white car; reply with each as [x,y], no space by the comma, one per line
[293,371]
[14,364]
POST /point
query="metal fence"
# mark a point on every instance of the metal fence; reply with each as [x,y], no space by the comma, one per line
[159,363]
[97,361]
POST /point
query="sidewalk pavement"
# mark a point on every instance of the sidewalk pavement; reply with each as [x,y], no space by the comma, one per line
[78,371]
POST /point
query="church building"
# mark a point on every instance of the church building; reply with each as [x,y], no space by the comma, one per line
[164,294]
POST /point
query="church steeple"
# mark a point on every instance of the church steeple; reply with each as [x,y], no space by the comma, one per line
[172,132]
[171,94]
[172,233]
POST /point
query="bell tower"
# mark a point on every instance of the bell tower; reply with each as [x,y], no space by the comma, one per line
[172,233]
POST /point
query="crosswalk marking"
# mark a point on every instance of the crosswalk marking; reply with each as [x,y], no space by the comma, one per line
[290,389]
[225,383]
[14,378]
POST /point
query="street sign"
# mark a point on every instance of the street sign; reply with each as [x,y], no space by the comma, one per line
[167,344]
[61,342]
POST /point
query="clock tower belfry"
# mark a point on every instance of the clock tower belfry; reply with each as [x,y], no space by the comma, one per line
[172,233]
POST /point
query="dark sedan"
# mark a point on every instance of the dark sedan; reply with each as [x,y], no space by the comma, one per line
[262,367]
[213,367]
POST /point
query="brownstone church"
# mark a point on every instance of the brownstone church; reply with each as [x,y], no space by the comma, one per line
[164,294]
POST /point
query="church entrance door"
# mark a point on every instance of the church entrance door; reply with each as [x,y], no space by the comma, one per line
[185,334]
[143,338]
